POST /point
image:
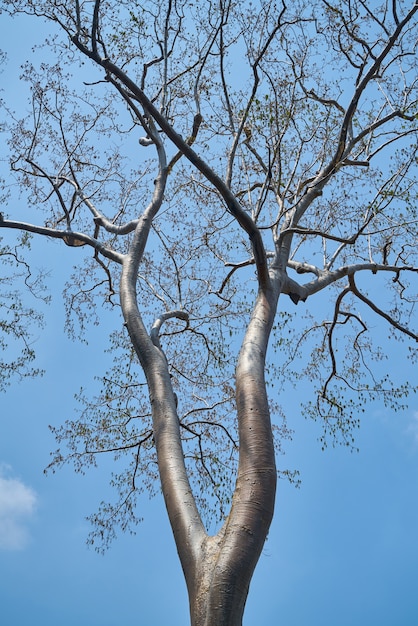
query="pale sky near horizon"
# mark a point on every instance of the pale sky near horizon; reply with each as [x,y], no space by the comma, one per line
[342,551]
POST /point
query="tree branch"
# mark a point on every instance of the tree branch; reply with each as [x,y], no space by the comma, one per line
[68,236]
[243,219]
[379,311]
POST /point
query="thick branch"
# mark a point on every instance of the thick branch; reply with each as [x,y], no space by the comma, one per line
[155,330]
[252,508]
[243,219]
[70,237]
[327,278]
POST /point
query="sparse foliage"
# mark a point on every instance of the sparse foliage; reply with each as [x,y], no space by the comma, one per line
[210,162]
[18,321]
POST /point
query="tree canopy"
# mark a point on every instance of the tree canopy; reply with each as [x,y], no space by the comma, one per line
[238,180]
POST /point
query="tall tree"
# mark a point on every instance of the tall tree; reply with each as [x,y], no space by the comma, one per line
[223,155]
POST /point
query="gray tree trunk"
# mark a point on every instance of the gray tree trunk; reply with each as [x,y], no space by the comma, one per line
[217,569]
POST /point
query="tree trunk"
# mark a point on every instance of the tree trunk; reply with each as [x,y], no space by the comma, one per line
[218,569]
[219,581]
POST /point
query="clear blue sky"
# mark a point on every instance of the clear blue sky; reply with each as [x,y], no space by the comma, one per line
[343,549]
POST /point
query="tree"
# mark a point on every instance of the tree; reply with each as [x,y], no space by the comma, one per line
[17,319]
[199,178]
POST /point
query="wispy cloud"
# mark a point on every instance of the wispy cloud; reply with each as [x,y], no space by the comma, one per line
[17,505]
[413,426]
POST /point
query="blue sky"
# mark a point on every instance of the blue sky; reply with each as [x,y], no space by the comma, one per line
[343,549]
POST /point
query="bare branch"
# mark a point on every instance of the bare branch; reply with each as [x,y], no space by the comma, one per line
[156,327]
[379,311]
[70,237]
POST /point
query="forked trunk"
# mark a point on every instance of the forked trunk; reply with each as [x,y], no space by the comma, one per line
[218,569]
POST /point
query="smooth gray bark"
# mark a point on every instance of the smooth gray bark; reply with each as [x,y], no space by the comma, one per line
[217,569]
